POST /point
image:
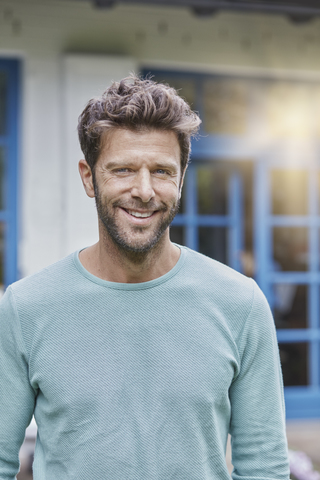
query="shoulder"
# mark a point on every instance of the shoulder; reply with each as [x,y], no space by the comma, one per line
[45,282]
[210,273]
[33,303]
[234,297]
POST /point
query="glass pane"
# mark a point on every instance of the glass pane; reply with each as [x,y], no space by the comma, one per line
[2,240]
[294,361]
[177,235]
[225,106]
[213,242]
[185,87]
[289,191]
[290,249]
[2,172]
[290,305]
[3,102]
[212,184]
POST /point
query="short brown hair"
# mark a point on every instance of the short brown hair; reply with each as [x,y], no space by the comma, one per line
[136,104]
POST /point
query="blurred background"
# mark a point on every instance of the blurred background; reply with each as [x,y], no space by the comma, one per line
[252,193]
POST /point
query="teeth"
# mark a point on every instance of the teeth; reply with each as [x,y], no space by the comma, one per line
[139,215]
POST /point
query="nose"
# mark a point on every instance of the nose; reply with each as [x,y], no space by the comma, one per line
[142,187]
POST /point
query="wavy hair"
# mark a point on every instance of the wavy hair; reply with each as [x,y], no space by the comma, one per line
[137,104]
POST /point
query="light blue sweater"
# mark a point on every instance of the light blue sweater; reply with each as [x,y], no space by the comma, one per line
[141,381]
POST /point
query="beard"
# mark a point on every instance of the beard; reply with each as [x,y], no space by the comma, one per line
[134,241]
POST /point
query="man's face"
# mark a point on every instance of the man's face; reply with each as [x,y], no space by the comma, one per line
[137,187]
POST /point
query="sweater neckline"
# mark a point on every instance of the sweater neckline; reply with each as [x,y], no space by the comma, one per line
[130,286]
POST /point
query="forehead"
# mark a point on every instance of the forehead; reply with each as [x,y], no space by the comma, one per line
[121,142]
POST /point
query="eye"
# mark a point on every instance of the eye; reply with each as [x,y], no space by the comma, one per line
[161,171]
[121,170]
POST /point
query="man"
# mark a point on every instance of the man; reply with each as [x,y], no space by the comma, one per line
[135,355]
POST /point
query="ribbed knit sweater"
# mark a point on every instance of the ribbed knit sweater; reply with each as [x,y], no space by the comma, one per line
[141,381]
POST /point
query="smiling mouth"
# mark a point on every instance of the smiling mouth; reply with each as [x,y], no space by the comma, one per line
[136,214]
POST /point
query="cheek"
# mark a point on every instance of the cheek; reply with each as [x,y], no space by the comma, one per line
[114,187]
[169,193]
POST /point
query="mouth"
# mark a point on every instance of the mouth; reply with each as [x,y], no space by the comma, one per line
[139,217]
[136,214]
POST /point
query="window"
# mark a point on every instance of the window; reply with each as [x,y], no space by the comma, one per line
[251,200]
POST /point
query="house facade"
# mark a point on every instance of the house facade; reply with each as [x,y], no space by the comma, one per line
[251,197]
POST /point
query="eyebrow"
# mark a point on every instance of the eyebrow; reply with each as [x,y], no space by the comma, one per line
[122,163]
[168,164]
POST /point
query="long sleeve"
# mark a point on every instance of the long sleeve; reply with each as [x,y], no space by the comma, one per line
[17,397]
[259,446]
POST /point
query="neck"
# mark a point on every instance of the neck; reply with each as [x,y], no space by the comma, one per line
[110,262]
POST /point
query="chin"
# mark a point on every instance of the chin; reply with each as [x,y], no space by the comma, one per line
[139,247]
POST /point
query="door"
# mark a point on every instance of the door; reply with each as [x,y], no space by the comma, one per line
[287,241]
[210,219]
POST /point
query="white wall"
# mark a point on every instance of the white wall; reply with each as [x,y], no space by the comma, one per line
[84,78]
[55,217]
[40,164]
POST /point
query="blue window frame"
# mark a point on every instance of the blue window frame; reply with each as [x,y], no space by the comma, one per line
[218,235]
[292,287]
[9,104]
[293,272]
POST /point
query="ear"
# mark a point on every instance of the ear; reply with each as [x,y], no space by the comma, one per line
[86,177]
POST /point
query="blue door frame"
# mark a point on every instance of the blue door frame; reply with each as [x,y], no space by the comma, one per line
[9,142]
[301,401]
[208,149]
[232,221]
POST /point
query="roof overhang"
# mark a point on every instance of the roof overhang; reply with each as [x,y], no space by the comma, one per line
[298,10]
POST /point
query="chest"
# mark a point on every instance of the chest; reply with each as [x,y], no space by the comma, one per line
[98,356]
